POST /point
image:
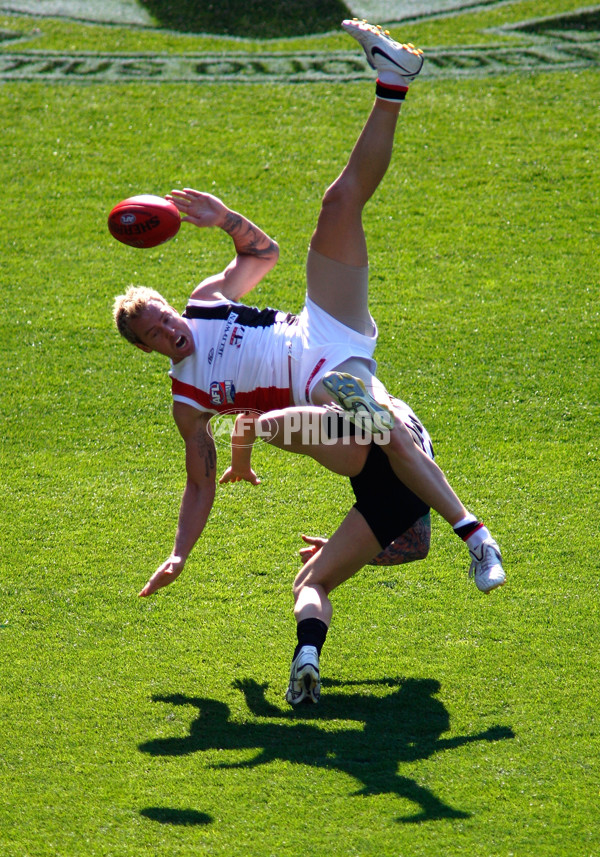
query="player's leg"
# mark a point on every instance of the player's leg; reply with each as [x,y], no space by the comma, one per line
[339,235]
[411,546]
[383,501]
[318,433]
[411,465]
[422,475]
[352,546]
[337,264]
[368,402]
[299,430]
[349,549]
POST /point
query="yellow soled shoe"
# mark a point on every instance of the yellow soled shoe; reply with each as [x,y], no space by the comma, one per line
[383,53]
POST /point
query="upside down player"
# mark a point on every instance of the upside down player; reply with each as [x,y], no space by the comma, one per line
[226,356]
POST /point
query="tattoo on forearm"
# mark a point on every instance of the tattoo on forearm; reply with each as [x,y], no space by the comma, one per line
[206,451]
[262,252]
[247,238]
[232,223]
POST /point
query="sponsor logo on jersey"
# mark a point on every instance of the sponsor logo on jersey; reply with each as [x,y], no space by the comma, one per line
[211,354]
[222,393]
[231,320]
[236,336]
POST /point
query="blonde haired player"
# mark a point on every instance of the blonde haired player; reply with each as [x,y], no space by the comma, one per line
[226,356]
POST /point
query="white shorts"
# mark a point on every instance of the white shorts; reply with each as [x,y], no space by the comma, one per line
[323,343]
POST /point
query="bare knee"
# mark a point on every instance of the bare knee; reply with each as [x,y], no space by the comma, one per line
[307,578]
[299,584]
[339,234]
[343,192]
[401,443]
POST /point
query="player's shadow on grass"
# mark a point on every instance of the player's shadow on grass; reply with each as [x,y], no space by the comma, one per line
[405,725]
[181,817]
[262,19]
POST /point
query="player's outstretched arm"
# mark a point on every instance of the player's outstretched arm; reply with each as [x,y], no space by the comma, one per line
[198,495]
[256,252]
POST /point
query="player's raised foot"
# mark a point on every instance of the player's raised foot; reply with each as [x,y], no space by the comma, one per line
[383,53]
[362,409]
[486,566]
[305,678]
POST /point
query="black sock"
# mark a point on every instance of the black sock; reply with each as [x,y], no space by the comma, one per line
[311,632]
[467,530]
[390,91]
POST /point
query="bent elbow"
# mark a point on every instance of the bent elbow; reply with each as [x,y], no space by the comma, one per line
[273,253]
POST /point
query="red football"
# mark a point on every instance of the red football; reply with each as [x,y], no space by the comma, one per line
[144,221]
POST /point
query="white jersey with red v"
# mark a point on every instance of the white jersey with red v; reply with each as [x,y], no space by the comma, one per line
[240,360]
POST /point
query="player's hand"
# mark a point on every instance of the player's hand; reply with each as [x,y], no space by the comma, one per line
[233,475]
[314,546]
[167,573]
[201,209]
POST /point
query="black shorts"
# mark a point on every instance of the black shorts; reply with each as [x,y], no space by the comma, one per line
[386,504]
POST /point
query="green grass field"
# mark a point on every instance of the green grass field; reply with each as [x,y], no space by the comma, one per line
[451,723]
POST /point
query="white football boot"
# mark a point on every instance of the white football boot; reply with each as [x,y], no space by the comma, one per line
[362,409]
[305,678]
[383,53]
[486,566]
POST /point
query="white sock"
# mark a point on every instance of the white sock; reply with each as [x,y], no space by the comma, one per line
[477,536]
[470,519]
[391,78]
[480,535]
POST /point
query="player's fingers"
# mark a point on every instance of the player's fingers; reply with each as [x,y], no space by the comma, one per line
[160,578]
[306,554]
[149,588]
[313,540]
